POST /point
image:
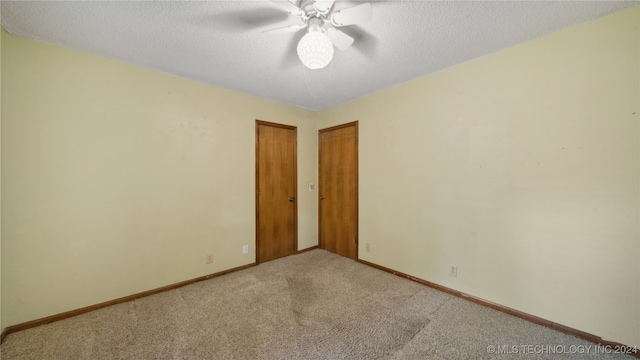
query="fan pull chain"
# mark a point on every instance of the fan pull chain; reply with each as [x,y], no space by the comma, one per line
[306,80]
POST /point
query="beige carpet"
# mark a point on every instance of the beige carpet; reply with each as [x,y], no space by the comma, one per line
[315,305]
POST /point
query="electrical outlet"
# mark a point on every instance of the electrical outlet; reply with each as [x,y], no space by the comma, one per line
[453,270]
[209,259]
[245,249]
[367,247]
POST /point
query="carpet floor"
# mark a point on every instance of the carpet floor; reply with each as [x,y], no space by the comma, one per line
[315,305]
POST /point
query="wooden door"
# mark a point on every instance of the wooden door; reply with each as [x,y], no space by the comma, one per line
[276,209]
[338,189]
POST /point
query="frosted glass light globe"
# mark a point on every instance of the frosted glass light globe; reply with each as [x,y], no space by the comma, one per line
[315,50]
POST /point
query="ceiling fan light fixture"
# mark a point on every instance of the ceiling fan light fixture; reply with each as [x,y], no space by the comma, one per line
[315,49]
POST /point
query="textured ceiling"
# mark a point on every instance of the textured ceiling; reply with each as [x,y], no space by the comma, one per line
[222,42]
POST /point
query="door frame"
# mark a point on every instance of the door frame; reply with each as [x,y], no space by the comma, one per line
[257,183]
[357,140]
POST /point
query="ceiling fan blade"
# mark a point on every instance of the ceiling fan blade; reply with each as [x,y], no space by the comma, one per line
[323,6]
[289,6]
[284,30]
[339,39]
[353,15]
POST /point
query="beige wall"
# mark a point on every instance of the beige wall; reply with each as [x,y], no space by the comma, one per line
[2,326]
[522,169]
[121,179]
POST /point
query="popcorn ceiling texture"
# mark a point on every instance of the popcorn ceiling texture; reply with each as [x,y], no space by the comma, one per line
[222,42]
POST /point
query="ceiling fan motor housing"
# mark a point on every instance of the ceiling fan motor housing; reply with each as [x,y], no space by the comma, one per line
[316,24]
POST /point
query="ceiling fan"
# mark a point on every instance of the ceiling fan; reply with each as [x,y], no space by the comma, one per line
[315,49]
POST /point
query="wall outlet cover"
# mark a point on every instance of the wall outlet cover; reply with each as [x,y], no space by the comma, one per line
[453,270]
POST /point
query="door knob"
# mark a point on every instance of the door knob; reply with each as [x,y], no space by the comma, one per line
[292,199]
[322,197]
